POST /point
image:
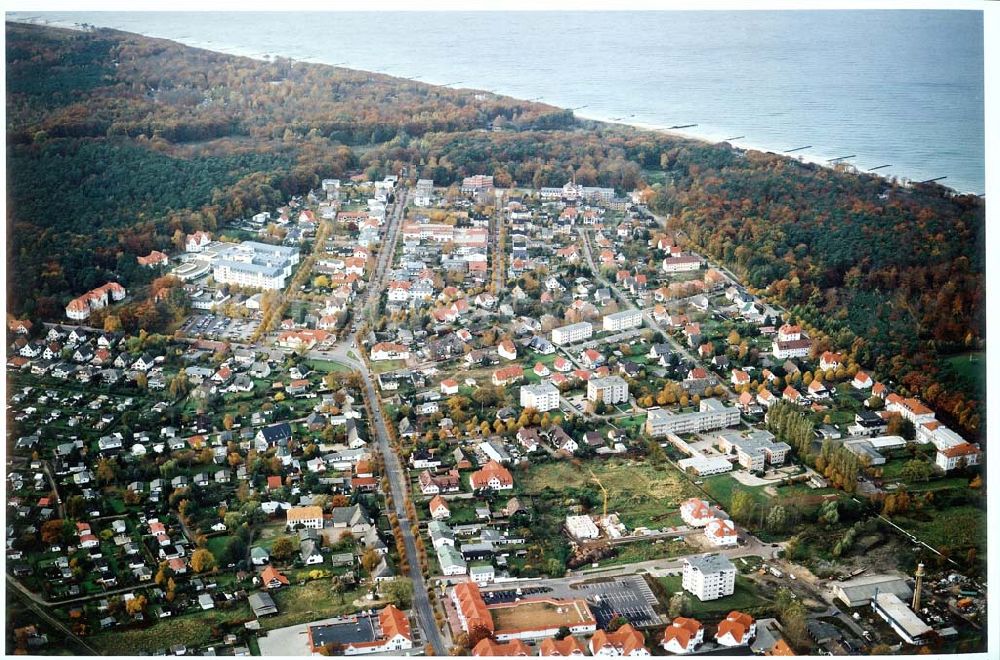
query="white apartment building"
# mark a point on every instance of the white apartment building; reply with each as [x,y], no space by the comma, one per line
[712,414]
[572,191]
[570,334]
[754,451]
[424,192]
[631,318]
[610,390]
[254,264]
[709,576]
[541,397]
[681,264]
[791,348]
[250,275]
[957,456]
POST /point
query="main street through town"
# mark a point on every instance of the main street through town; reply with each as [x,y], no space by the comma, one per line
[398,480]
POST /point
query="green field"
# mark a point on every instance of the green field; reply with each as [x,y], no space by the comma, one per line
[194,629]
[641,494]
[971,369]
[267,534]
[314,600]
[945,483]
[745,597]
[958,528]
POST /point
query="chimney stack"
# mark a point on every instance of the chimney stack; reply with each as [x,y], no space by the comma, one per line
[917,587]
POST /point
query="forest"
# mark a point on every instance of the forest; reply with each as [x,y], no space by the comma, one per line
[117,141]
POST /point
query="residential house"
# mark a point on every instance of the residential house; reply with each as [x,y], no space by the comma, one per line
[830,360]
[492,475]
[507,350]
[488,648]
[272,578]
[565,647]
[683,635]
[736,630]
[439,508]
[508,375]
[862,381]
[626,642]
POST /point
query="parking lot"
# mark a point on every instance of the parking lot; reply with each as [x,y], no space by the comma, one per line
[510,595]
[628,596]
[213,326]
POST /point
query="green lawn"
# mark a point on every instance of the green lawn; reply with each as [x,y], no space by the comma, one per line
[745,597]
[946,483]
[382,366]
[217,544]
[462,511]
[327,365]
[530,377]
[837,417]
[803,490]
[630,421]
[722,486]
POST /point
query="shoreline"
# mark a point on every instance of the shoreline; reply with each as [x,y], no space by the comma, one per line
[743,145]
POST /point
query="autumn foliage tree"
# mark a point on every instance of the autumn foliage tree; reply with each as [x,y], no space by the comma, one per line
[202,560]
[283,547]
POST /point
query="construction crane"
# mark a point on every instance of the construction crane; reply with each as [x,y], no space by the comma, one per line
[603,490]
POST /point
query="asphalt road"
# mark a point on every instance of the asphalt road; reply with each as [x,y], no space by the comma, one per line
[398,484]
[398,481]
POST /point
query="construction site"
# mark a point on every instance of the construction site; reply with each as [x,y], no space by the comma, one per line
[594,538]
